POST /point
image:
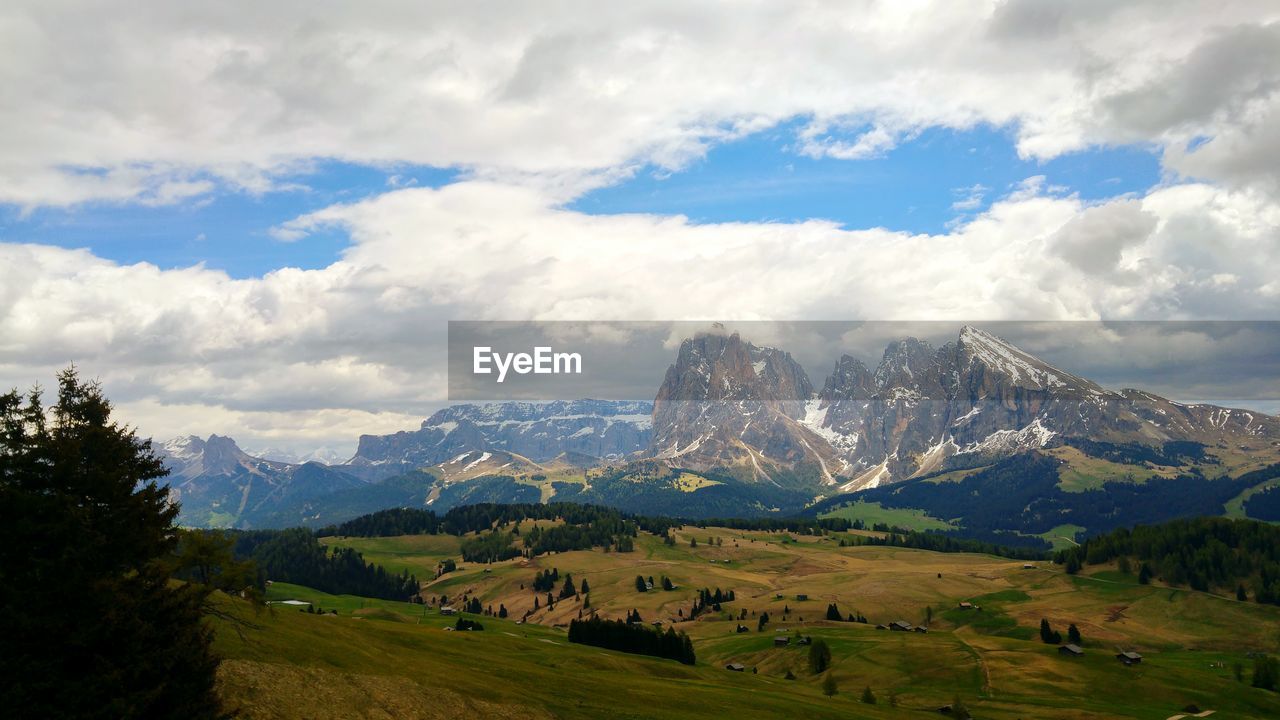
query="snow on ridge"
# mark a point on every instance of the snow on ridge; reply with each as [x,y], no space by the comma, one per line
[483,456]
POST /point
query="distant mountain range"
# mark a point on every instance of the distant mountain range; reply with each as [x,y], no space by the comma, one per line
[737,429]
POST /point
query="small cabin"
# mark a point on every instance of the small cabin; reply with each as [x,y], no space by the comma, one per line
[802,597]
[448,611]
[900,626]
[1028,566]
[882,627]
[966,606]
[1129,657]
[1071,649]
[736,667]
[781,641]
[806,640]
[920,629]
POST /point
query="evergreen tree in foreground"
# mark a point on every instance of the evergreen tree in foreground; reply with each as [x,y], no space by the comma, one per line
[91,625]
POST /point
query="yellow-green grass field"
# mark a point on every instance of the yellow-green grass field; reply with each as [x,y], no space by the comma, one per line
[406,665]
[871,513]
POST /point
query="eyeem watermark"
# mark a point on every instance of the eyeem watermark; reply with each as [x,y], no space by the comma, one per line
[543,361]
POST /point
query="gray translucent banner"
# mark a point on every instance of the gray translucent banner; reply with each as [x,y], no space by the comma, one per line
[1228,363]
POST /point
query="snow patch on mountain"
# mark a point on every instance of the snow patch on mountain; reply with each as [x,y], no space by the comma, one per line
[1034,435]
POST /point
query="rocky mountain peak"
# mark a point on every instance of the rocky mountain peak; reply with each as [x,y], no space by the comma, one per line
[850,380]
[993,361]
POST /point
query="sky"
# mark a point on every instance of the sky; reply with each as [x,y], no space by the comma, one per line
[257,221]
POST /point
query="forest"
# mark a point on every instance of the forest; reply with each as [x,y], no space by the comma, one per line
[295,556]
[632,637]
[1208,553]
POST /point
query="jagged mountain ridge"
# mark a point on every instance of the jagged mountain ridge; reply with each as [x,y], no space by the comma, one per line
[541,432]
[922,409]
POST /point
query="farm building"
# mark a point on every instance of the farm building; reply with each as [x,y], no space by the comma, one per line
[781,641]
[448,611]
[1071,649]
[806,640]
[736,667]
[920,629]
[802,596]
[966,606]
[900,626]
[1028,566]
[1129,657]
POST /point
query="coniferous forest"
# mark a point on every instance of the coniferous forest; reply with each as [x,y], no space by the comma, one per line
[632,637]
[295,556]
[1208,553]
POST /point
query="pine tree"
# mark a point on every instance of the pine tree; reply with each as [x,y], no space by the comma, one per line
[868,697]
[91,624]
[640,584]
[1073,635]
[1144,574]
[568,590]
[1046,632]
[819,656]
[584,588]
[829,687]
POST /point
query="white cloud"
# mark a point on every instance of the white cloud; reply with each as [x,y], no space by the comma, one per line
[363,339]
[163,102]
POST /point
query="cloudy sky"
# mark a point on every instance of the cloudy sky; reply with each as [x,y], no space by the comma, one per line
[256,218]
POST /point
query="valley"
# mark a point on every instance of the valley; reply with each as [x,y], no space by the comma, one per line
[380,658]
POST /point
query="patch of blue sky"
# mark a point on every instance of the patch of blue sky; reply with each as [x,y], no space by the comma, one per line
[923,185]
[225,230]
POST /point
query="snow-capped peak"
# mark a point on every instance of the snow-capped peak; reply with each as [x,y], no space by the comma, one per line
[1021,367]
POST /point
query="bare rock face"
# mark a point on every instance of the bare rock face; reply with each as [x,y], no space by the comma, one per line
[727,404]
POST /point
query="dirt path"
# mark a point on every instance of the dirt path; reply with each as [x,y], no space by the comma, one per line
[1180,716]
[977,655]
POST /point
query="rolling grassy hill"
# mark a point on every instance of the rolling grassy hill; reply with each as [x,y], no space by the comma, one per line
[385,659]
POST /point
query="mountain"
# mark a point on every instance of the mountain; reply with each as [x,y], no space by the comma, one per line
[737,429]
[220,485]
[729,405]
[600,429]
[981,398]
[322,455]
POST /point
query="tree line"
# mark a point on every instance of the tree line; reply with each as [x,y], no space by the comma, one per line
[938,542]
[632,638]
